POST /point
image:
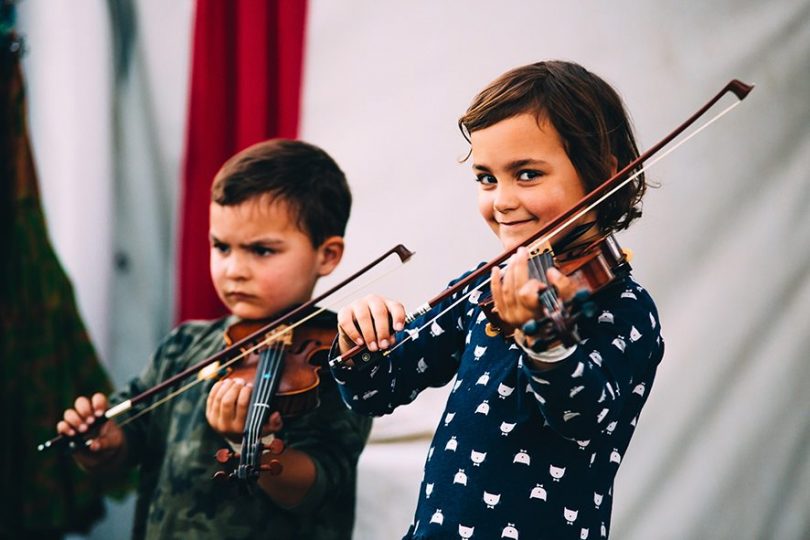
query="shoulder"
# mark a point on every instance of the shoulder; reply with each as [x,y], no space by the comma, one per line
[467,273]
[629,294]
[190,333]
[625,291]
[475,285]
[627,309]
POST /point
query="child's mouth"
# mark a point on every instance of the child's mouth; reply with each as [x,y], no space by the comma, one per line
[237,296]
[516,223]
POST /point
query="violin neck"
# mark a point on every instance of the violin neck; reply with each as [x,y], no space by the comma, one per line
[265,385]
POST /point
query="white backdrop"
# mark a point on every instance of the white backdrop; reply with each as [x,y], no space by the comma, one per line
[724,245]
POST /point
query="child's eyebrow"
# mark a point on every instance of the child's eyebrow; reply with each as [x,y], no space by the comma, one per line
[514,165]
[262,242]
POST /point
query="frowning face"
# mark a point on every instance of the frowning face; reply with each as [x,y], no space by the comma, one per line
[261,262]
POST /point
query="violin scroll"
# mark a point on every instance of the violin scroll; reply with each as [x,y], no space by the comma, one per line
[243,471]
[286,380]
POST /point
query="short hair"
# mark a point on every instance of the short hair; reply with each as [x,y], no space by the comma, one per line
[302,175]
[587,113]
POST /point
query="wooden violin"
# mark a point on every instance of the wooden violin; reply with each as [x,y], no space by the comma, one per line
[285,379]
[246,340]
[592,266]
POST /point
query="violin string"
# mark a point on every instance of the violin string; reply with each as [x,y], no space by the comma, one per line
[261,396]
[264,393]
[266,356]
[541,263]
[546,239]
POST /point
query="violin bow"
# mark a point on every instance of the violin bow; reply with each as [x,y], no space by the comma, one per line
[565,219]
[244,346]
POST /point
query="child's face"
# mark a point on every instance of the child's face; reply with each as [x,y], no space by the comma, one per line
[524,176]
[261,262]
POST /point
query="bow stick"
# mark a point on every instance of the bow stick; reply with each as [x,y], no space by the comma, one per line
[254,340]
[582,207]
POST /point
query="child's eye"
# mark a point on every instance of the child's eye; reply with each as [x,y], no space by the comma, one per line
[262,251]
[222,248]
[529,175]
[486,179]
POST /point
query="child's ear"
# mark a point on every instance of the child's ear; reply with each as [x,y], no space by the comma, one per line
[329,254]
[614,165]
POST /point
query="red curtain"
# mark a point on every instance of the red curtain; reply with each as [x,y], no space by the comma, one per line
[245,87]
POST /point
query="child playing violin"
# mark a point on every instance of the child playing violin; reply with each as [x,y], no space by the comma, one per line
[536,425]
[277,218]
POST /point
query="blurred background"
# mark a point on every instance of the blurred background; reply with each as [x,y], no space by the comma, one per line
[119,133]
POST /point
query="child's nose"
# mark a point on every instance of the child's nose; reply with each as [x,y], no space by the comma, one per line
[506,198]
[236,266]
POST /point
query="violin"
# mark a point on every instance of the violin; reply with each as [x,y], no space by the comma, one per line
[285,379]
[244,341]
[592,266]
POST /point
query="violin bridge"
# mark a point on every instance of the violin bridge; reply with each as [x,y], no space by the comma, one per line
[539,248]
[281,335]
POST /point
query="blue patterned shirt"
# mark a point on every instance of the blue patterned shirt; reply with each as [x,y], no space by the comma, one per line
[519,453]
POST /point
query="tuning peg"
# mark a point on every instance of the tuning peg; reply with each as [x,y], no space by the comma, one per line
[224,455]
[274,467]
[275,447]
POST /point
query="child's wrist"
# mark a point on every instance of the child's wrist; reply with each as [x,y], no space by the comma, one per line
[551,354]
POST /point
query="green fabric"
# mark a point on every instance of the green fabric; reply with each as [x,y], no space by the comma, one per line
[174,447]
[8,17]
[47,358]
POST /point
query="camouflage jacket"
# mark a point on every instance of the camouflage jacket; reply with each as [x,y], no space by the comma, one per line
[174,447]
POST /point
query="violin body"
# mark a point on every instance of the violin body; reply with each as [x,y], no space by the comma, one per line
[285,379]
[592,267]
[596,265]
[297,390]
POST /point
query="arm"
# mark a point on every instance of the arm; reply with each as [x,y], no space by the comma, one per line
[396,374]
[322,446]
[584,393]
[320,461]
[112,447]
[106,451]
[226,411]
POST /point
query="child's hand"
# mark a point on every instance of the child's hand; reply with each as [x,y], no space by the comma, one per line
[371,321]
[515,294]
[227,408]
[108,441]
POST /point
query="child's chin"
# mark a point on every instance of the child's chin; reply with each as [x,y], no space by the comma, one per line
[249,313]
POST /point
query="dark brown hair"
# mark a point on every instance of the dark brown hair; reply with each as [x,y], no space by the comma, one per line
[587,113]
[302,175]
